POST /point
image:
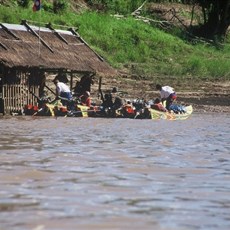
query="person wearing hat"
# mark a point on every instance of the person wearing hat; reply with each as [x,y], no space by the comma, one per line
[85,99]
[116,100]
[114,90]
[63,91]
[167,93]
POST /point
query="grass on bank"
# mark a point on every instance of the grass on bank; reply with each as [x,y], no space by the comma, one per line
[134,45]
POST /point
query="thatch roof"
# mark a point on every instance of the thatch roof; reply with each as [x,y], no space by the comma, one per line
[25,46]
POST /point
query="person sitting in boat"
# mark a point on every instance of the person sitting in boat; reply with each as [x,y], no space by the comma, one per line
[107,101]
[117,101]
[128,110]
[157,105]
[85,99]
[111,103]
[106,105]
[167,93]
[62,91]
[83,85]
[44,98]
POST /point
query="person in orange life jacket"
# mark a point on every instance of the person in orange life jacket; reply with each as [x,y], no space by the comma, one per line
[63,91]
[85,99]
[158,105]
[167,93]
[129,107]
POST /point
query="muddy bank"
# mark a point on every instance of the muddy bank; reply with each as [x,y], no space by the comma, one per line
[204,96]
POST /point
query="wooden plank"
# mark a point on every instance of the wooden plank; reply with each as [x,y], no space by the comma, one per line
[7,98]
[9,32]
[12,97]
[16,94]
[3,46]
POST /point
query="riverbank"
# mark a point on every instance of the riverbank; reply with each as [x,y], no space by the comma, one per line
[204,96]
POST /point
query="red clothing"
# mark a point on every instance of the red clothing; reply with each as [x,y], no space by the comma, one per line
[159,107]
[86,100]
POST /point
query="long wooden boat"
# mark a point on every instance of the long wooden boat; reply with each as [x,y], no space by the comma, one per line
[157,115]
[57,109]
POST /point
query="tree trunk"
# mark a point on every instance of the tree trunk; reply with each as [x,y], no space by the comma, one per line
[218,19]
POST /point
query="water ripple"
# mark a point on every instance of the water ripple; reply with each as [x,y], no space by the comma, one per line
[115,173]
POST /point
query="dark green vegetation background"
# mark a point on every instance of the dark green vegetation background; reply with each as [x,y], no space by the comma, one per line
[130,45]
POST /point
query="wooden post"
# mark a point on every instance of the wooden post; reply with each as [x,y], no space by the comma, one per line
[100,94]
[71,81]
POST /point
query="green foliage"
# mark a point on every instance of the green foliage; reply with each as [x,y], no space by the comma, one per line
[6,15]
[47,6]
[60,6]
[23,3]
[116,6]
[126,43]
[196,66]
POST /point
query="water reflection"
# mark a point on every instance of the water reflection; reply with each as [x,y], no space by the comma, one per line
[76,173]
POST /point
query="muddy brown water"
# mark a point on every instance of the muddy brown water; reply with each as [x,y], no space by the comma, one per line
[92,173]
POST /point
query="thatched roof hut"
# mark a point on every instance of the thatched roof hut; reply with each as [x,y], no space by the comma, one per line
[25,46]
[27,52]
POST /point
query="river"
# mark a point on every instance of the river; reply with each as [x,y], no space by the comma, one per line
[98,173]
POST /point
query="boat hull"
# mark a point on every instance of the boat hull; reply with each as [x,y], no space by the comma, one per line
[159,115]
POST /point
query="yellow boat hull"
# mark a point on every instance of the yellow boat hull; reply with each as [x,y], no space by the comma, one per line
[157,115]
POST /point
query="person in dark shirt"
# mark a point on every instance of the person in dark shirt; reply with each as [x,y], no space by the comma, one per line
[83,85]
[111,103]
[117,101]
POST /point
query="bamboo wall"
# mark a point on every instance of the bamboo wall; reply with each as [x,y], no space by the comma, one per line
[16,95]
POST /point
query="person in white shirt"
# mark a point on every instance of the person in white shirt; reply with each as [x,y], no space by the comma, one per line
[167,93]
[63,91]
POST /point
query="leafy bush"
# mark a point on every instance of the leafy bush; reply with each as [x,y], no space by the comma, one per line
[116,6]
[47,6]
[60,6]
[127,43]
[23,3]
